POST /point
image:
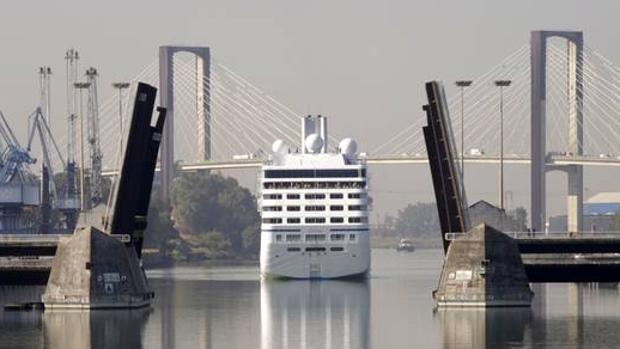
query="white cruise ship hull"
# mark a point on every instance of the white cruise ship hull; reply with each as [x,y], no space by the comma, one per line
[277,261]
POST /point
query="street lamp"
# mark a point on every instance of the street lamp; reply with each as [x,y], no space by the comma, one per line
[462,84]
[501,84]
[81,86]
[120,86]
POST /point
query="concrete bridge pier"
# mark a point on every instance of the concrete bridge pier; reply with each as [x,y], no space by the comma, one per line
[574,199]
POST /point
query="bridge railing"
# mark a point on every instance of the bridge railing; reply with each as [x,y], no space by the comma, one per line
[549,235]
[49,238]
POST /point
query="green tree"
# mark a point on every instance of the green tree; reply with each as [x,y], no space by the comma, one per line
[160,229]
[204,202]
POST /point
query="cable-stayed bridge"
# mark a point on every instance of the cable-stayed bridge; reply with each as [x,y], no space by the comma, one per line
[560,112]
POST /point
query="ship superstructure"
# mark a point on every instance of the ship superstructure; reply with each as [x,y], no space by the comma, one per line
[314,208]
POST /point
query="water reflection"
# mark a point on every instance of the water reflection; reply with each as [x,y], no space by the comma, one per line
[484,328]
[94,329]
[314,314]
[67,329]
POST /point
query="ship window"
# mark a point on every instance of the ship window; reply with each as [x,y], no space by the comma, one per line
[293,220]
[336,237]
[315,173]
[315,185]
[272,208]
[315,220]
[315,208]
[293,237]
[314,196]
[358,219]
[279,237]
[292,196]
[272,220]
[293,249]
[315,237]
[336,208]
[357,207]
[336,249]
[357,196]
[335,196]
[315,249]
[351,237]
[272,196]
[336,220]
[293,208]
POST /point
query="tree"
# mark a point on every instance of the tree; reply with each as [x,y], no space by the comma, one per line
[417,220]
[204,203]
[518,218]
[160,228]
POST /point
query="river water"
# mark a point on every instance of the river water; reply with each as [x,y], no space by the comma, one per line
[230,307]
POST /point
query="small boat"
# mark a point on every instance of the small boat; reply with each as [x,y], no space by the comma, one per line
[405,245]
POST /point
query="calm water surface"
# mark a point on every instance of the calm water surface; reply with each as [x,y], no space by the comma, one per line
[229,307]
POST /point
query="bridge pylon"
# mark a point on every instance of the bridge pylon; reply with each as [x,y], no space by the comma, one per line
[203,109]
[539,168]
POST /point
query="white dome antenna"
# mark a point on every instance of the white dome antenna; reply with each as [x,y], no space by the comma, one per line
[348,146]
[313,143]
[279,147]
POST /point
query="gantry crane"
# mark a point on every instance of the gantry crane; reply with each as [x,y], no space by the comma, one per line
[18,186]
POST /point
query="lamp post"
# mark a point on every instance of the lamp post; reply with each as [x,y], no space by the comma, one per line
[501,84]
[82,86]
[462,84]
[120,86]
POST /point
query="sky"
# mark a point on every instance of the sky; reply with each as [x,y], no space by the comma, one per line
[363,63]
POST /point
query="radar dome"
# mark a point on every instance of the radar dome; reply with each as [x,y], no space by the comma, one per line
[279,147]
[313,143]
[348,146]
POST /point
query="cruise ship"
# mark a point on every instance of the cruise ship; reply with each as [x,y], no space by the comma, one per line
[314,208]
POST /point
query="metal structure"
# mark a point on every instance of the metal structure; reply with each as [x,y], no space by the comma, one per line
[46,176]
[51,154]
[501,84]
[120,86]
[451,203]
[203,111]
[46,94]
[92,122]
[539,168]
[462,84]
[72,59]
[81,86]
[18,186]
[136,180]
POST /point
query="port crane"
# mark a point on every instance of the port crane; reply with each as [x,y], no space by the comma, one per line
[13,158]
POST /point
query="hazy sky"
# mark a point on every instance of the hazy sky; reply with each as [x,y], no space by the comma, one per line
[363,63]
